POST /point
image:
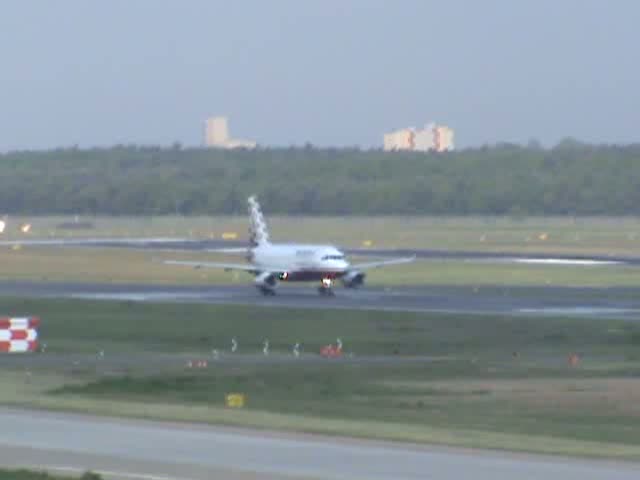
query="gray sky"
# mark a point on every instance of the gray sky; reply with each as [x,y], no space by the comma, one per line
[331,72]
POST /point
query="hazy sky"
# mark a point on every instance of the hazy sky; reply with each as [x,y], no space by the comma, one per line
[331,72]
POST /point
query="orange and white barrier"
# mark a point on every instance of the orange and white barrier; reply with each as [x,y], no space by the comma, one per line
[19,334]
[331,351]
[197,364]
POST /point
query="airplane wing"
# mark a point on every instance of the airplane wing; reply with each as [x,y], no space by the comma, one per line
[244,267]
[252,268]
[383,263]
[223,266]
[228,250]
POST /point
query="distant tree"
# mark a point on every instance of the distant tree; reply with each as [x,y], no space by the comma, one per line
[571,178]
[569,143]
[534,144]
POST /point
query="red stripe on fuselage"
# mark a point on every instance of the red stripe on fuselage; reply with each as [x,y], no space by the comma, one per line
[311,275]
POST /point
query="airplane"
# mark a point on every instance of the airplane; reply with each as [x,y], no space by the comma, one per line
[274,263]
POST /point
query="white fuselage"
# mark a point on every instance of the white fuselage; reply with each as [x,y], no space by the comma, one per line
[271,263]
[299,262]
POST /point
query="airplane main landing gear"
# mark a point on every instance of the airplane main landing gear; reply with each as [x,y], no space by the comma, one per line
[325,289]
[266,291]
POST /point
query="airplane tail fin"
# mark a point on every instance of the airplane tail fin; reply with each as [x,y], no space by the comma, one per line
[258,233]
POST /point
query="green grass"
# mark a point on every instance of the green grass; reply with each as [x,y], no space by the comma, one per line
[461,273]
[585,235]
[23,474]
[475,391]
[413,396]
[74,325]
[134,266]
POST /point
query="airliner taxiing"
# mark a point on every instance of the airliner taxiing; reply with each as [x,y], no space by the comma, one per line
[272,263]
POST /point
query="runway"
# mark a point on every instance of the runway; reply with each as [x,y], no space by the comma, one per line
[144,450]
[586,302]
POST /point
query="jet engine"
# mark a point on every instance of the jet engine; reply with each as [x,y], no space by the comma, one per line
[266,282]
[353,279]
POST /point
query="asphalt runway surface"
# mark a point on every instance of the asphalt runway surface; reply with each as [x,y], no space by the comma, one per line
[565,301]
[145,450]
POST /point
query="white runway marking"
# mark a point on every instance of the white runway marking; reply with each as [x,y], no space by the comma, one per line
[146,297]
[565,261]
[579,310]
[90,241]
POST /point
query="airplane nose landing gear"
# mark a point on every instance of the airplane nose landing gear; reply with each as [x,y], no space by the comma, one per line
[326,287]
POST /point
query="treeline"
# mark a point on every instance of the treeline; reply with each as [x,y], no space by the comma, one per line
[569,179]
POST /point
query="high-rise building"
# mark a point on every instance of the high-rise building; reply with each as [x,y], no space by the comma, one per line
[443,139]
[424,139]
[216,131]
[431,138]
[399,140]
[217,135]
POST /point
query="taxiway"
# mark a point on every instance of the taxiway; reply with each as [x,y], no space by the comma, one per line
[600,302]
[144,450]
